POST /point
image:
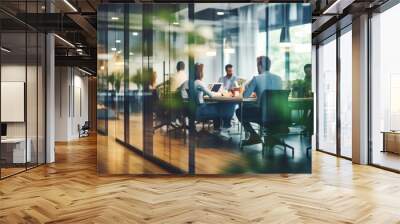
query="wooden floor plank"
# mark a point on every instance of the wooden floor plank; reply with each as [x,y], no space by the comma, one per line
[71,191]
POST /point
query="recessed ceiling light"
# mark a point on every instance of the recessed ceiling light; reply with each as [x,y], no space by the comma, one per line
[220,13]
[84,71]
[119,52]
[130,53]
[102,67]
[114,18]
[64,40]
[5,50]
[175,23]
[117,41]
[135,33]
[79,50]
[70,5]
[43,7]
[113,48]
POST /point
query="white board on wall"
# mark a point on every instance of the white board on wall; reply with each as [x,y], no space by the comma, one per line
[12,101]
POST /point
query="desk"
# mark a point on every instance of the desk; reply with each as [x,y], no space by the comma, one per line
[391,141]
[297,103]
[13,150]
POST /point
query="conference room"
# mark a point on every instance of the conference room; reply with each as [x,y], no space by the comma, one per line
[208,88]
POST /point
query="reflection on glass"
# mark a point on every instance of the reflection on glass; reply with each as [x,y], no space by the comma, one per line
[327,97]
[160,78]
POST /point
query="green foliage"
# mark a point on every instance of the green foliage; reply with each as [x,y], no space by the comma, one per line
[115,80]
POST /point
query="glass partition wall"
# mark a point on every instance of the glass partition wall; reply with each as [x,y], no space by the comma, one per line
[22,94]
[158,62]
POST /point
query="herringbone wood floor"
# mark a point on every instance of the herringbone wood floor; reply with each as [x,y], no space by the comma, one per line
[70,191]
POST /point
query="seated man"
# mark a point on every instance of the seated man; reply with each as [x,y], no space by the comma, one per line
[251,111]
[215,111]
[178,78]
[302,87]
[229,80]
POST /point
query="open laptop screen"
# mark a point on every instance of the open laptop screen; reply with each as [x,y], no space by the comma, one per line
[216,87]
[3,129]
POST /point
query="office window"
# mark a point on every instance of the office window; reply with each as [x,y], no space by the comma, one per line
[385,89]
[327,96]
[346,93]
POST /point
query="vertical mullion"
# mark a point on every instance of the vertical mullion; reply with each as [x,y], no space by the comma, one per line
[45,89]
[26,86]
[369,89]
[192,131]
[267,31]
[338,98]
[126,73]
[317,96]
[1,65]
[37,90]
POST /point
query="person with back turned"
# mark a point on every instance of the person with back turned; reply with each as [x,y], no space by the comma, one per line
[265,80]
[178,78]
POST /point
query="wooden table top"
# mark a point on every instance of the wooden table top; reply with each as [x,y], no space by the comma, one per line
[250,99]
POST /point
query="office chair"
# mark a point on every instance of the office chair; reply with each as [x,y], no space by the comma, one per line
[275,119]
[168,109]
[309,126]
[83,131]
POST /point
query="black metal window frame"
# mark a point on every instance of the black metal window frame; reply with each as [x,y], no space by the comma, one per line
[334,37]
[388,5]
[30,29]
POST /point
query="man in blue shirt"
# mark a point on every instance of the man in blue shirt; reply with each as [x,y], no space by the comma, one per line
[251,111]
[229,80]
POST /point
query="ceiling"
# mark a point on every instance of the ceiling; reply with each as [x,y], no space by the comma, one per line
[75,20]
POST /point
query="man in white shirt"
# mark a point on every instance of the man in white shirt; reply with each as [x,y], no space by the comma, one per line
[229,80]
[178,78]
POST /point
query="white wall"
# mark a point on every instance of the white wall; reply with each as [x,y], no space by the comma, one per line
[71,102]
[15,73]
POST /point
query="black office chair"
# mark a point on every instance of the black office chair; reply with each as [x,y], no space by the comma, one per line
[160,115]
[309,126]
[168,109]
[84,129]
[275,118]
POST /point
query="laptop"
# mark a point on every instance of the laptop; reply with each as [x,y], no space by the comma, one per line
[215,87]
